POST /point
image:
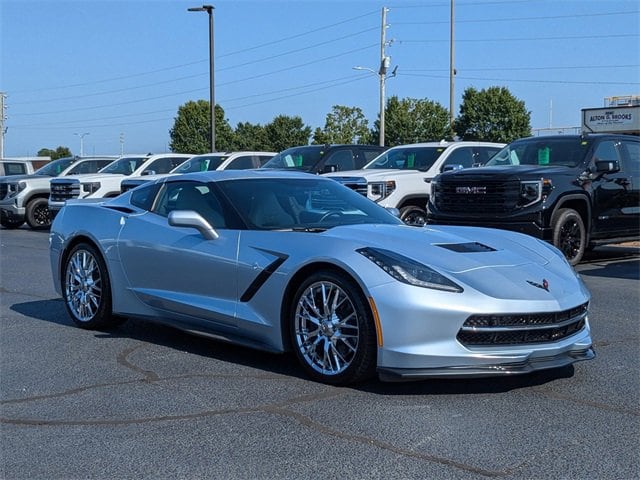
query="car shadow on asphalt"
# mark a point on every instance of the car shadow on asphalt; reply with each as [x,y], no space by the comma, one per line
[626,269]
[281,364]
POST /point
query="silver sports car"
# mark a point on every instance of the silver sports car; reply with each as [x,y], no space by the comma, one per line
[285,261]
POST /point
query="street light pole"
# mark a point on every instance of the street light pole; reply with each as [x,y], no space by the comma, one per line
[82,135]
[212,125]
[382,72]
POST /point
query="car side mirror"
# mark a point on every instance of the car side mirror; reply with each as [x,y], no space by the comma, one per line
[607,166]
[149,172]
[329,168]
[192,219]
[452,167]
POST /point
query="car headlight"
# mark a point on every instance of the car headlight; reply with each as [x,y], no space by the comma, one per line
[533,191]
[91,187]
[14,188]
[382,190]
[409,271]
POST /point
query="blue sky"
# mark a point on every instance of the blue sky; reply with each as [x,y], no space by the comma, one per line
[121,69]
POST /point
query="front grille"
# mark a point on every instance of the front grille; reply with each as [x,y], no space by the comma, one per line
[476,194]
[62,190]
[4,188]
[525,328]
[358,184]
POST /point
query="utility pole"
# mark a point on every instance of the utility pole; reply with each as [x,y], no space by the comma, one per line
[121,144]
[3,117]
[382,72]
[82,135]
[452,71]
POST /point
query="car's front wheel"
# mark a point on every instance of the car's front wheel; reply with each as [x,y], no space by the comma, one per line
[87,289]
[569,234]
[414,216]
[37,214]
[332,329]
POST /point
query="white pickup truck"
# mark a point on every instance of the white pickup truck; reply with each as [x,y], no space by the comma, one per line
[400,177]
[106,183]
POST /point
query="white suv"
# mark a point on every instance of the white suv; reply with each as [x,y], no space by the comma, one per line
[400,177]
[207,162]
[106,183]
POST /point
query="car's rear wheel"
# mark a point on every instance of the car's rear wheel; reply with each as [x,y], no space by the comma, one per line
[87,289]
[569,234]
[414,216]
[332,330]
[37,214]
[11,224]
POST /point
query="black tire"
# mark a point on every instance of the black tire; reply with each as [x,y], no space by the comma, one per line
[569,234]
[37,214]
[11,224]
[329,350]
[86,289]
[413,215]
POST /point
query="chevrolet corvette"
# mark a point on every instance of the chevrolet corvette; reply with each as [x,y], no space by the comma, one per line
[294,262]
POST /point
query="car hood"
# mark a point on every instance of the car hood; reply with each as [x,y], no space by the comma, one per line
[17,178]
[498,263]
[513,171]
[374,174]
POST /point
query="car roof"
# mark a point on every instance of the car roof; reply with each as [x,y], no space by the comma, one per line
[219,175]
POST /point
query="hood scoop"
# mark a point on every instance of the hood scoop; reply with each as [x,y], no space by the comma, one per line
[470,247]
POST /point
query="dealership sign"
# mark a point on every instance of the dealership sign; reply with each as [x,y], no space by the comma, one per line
[611,119]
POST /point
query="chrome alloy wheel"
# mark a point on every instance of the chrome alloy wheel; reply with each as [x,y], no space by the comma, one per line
[83,291]
[326,328]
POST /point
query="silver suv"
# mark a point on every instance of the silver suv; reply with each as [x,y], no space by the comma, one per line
[24,197]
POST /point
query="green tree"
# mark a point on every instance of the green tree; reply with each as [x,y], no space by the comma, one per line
[250,136]
[412,120]
[492,115]
[284,132]
[343,125]
[59,152]
[191,133]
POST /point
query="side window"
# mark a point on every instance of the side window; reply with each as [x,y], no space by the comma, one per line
[482,155]
[143,197]
[631,164]
[102,163]
[190,196]
[342,159]
[460,156]
[241,163]
[166,164]
[262,159]
[11,168]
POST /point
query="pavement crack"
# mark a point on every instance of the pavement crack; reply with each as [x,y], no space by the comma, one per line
[149,376]
[589,403]
[365,440]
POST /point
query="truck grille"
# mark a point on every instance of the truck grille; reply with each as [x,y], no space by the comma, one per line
[4,188]
[358,184]
[476,194]
[519,329]
[62,190]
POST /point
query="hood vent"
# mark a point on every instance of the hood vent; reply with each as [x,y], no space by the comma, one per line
[471,247]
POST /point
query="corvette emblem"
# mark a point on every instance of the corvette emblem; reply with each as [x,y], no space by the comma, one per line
[544,285]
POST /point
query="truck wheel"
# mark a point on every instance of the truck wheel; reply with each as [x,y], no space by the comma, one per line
[37,214]
[569,234]
[414,216]
[11,224]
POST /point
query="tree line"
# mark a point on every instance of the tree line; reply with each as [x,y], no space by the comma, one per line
[491,114]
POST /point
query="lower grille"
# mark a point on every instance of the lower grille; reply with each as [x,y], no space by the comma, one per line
[519,329]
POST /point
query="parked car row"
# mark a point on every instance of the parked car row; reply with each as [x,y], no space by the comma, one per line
[573,191]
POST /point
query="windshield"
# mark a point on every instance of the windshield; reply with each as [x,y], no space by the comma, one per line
[543,152]
[407,158]
[301,158]
[124,166]
[200,164]
[55,168]
[312,204]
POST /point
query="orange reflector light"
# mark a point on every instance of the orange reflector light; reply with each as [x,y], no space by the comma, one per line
[376,320]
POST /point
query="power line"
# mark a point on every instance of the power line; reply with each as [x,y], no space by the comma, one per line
[570,82]
[524,39]
[564,67]
[512,19]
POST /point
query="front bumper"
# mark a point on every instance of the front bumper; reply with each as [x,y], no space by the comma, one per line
[10,210]
[527,227]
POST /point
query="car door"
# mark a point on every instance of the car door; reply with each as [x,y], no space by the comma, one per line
[175,270]
[631,171]
[611,192]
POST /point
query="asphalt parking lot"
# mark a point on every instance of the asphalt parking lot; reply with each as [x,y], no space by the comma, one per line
[146,401]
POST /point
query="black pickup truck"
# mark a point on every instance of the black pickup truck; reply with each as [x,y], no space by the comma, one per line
[574,191]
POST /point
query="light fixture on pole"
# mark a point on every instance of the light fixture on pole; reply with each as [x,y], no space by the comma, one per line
[209,9]
[382,74]
[82,135]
